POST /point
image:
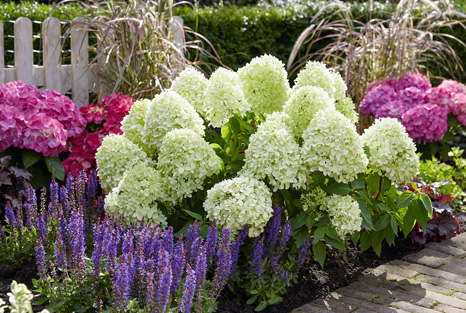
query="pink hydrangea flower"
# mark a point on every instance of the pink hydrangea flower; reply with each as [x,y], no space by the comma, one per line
[426,122]
[441,97]
[44,134]
[415,80]
[11,127]
[378,96]
[411,96]
[393,109]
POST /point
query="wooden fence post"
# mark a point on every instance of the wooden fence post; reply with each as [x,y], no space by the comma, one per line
[51,31]
[2,56]
[23,50]
[79,62]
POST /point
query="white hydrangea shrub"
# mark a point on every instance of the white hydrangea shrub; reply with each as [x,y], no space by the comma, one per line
[333,147]
[303,104]
[184,162]
[265,84]
[339,85]
[274,154]
[224,97]
[346,107]
[132,124]
[239,201]
[169,111]
[116,155]
[318,75]
[344,214]
[191,85]
[392,151]
[135,196]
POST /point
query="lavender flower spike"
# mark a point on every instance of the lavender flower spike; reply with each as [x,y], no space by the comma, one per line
[40,257]
[10,215]
[189,289]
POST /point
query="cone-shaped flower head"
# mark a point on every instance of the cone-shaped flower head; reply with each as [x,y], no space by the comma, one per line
[133,123]
[344,213]
[318,75]
[191,85]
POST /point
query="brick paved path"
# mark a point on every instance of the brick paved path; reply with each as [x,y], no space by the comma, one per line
[430,281]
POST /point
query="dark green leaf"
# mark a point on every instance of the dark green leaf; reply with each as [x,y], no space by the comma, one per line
[366,241]
[40,301]
[30,157]
[420,214]
[394,225]
[358,183]
[55,167]
[310,221]
[338,189]
[234,124]
[390,236]
[405,199]
[261,306]
[297,203]
[301,236]
[336,243]
[382,222]
[298,221]
[319,251]
[365,212]
[252,299]
[367,151]
[427,204]
[383,207]
[331,232]
[275,300]
[195,215]
[408,221]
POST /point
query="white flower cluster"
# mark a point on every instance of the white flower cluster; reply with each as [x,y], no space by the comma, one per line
[133,123]
[346,107]
[274,154]
[169,111]
[239,201]
[136,194]
[392,152]
[265,84]
[184,162]
[191,85]
[116,155]
[304,104]
[313,199]
[333,147]
[224,97]
[318,75]
[344,214]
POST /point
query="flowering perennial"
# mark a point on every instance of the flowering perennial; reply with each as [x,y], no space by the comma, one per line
[240,201]
[265,84]
[316,74]
[344,214]
[392,152]
[133,123]
[191,85]
[333,147]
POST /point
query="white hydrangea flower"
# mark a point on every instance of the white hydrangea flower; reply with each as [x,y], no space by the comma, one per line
[135,196]
[333,147]
[191,85]
[116,155]
[344,214]
[224,97]
[239,201]
[392,152]
[274,154]
[339,84]
[133,123]
[346,107]
[184,162]
[169,111]
[265,84]
[318,75]
[304,104]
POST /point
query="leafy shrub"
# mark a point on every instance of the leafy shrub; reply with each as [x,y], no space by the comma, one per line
[13,180]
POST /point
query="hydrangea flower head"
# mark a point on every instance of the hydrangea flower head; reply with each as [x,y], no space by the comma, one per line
[333,147]
[116,155]
[344,214]
[184,162]
[240,201]
[340,86]
[274,154]
[224,97]
[12,124]
[316,74]
[265,84]
[346,107]
[376,97]
[393,109]
[133,123]
[191,85]
[426,123]
[412,80]
[392,152]
[442,97]
[169,111]
[303,104]
[135,196]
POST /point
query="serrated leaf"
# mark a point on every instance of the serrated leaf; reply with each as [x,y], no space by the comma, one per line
[30,157]
[320,253]
[405,199]
[338,189]
[427,204]
[55,167]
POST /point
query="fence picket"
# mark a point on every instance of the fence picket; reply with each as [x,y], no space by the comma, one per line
[51,31]
[23,50]
[2,56]
[79,62]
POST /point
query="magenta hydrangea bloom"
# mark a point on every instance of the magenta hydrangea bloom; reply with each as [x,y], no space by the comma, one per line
[415,80]
[393,109]
[426,122]
[411,96]
[378,96]
[44,134]
[441,97]
[11,126]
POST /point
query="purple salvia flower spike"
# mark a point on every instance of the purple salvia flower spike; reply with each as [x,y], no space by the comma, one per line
[235,246]
[195,248]
[164,281]
[201,267]
[273,230]
[178,264]
[41,227]
[188,291]
[63,226]
[212,242]
[121,285]
[222,272]
[127,242]
[286,233]
[150,291]
[2,233]
[192,234]
[40,259]
[10,215]
[93,182]
[258,251]
[167,237]
[60,253]
[303,252]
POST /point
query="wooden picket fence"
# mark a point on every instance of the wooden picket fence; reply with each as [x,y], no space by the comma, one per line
[79,76]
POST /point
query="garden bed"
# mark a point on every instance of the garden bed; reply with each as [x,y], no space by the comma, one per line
[313,281]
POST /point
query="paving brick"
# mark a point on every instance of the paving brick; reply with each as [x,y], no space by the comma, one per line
[427,260]
[448,309]
[396,294]
[404,305]
[453,268]
[456,261]
[393,269]
[446,248]
[429,271]
[442,282]
[379,281]
[460,295]
[417,283]
[334,306]
[309,308]
[358,298]
[448,300]
[433,252]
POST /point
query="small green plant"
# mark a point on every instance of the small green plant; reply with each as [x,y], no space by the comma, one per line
[20,299]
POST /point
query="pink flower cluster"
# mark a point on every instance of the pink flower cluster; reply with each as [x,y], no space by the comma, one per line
[40,120]
[423,110]
[106,117]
